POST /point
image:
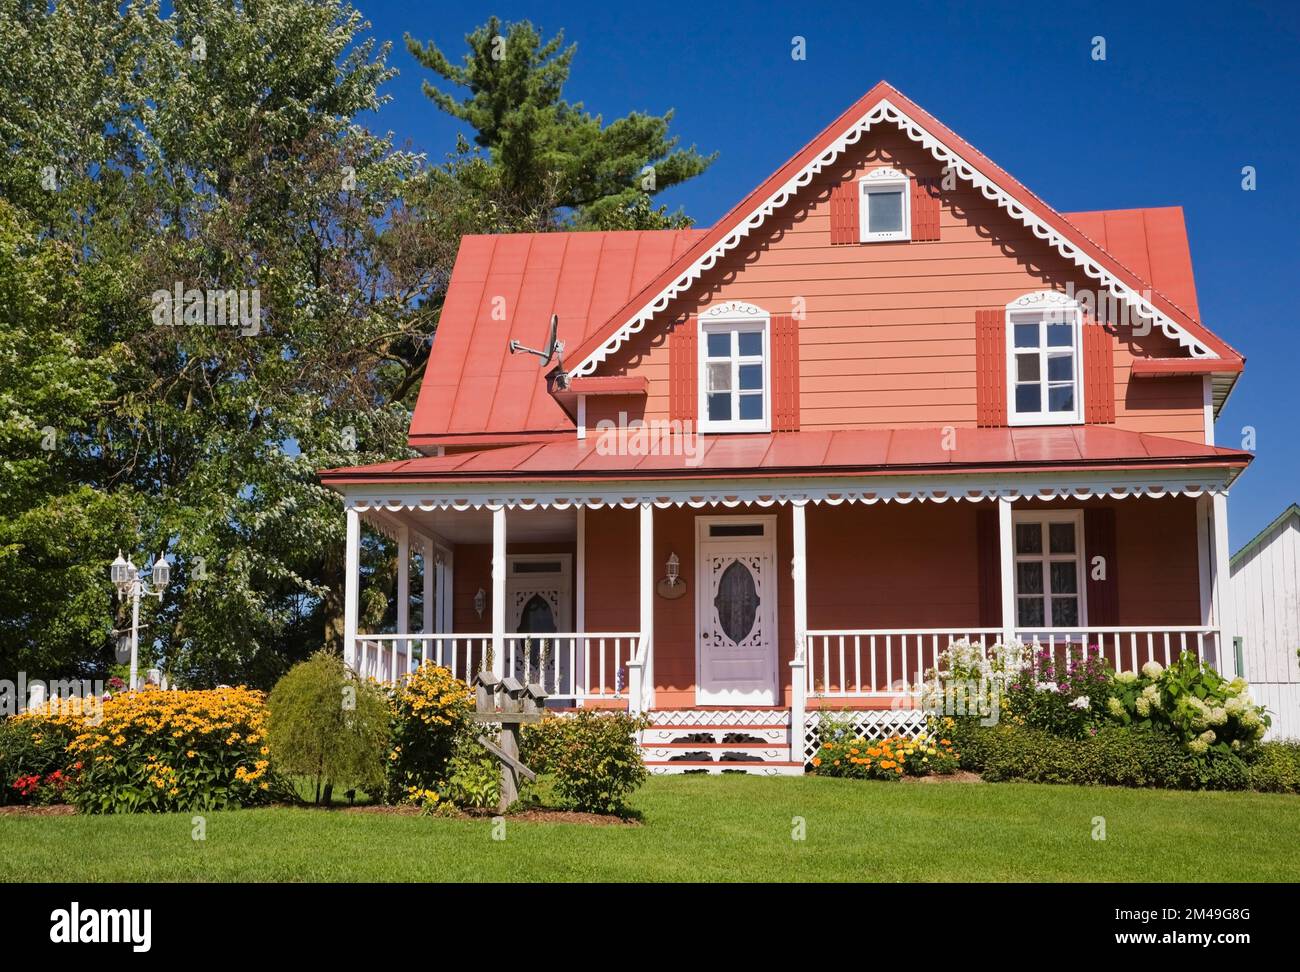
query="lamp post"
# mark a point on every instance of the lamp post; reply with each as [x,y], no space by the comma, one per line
[129,583]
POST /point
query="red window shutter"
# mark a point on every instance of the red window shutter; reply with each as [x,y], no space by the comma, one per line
[990,567]
[1099,541]
[925,210]
[844,213]
[991,367]
[683,371]
[1098,373]
[785,373]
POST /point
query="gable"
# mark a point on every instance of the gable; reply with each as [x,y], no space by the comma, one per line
[883,106]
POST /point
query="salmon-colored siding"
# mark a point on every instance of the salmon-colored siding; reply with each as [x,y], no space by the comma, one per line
[885,566]
[889,334]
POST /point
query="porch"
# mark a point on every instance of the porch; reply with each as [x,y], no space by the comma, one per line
[734,664]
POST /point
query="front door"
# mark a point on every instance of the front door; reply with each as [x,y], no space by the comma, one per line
[736,610]
[539,588]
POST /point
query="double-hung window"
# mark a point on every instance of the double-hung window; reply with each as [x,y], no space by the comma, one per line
[1049,569]
[1043,361]
[735,371]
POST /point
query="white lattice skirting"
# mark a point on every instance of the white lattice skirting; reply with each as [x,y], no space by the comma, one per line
[720,717]
[873,724]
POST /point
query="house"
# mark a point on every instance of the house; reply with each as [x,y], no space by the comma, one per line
[891,399]
[1266,604]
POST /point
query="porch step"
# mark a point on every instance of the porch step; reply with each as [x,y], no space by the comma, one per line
[718,740]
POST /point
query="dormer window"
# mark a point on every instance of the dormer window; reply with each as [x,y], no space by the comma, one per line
[884,206]
[735,369]
[1043,360]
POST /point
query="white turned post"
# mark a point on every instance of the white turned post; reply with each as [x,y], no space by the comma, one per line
[351,581]
[499,591]
[428,571]
[798,676]
[401,647]
[579,675]
[446,578]
[1223,601]
[647,613]
[1007,560]
[1204,559]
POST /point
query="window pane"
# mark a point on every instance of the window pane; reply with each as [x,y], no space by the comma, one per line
[751,343]
[720,407]
[1029,578]
[751,376]
[1061,539]
[719,376]
[719,344]
[1029,612]
[1027,335]
[1060,398]
[751,406]
[1029,398]
[884,212]
[1065,611]
[1060,335]
[1029,538]
[1065,578]
[1027,367]
[1060,367]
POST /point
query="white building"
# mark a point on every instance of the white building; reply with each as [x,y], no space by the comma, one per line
[1266,588]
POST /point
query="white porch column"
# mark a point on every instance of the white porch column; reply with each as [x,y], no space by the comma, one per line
[1007,561]
[798,676]
[351,582]
[1204,558]
[499,591]
[641,675]
[1222,579]
[579,676]
[428,571]
[401,648]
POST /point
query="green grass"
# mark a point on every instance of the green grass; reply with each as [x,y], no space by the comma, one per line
[707,829]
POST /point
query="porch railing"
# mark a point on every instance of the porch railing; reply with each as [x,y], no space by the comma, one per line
[879,661]
[1128,648]
[572,665]
[883,662]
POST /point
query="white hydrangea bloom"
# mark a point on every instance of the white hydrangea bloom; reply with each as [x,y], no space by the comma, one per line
[1143,706]
[1045,687]
[1081,703]
[1126,678]
[1115,707]
[1153,669]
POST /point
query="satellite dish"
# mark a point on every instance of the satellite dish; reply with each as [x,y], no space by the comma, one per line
[554,346]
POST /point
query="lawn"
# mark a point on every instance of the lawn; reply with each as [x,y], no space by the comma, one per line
[731,828]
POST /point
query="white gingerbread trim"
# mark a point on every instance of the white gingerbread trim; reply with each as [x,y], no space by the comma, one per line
[886,111]
[763,493]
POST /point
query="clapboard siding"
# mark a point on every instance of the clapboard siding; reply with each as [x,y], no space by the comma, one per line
[900,317]
[1266,588]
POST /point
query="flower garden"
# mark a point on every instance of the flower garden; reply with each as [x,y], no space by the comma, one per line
[1068,717]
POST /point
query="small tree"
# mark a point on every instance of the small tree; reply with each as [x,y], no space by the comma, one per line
[329,727]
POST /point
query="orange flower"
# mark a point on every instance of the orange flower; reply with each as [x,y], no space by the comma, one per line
[817,761]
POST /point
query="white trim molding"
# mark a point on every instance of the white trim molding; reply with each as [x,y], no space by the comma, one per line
[885,111]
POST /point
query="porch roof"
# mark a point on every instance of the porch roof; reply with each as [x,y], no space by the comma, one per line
[812,453]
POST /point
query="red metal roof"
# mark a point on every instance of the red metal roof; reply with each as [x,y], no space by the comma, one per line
[854,451]
[473,385]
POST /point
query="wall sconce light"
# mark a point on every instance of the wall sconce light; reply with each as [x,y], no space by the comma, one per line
[480,602]
[672,586]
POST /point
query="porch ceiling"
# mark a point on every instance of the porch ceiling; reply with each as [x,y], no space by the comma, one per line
[475,525]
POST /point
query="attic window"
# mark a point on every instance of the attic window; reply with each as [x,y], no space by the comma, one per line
[735,370]
[884,206]
[1043,360]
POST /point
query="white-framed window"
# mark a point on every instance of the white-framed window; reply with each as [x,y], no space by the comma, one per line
[735,376]
[1049,569]
[1044,369]
[884,206]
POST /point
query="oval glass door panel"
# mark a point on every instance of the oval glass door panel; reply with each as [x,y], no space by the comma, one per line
[736,601]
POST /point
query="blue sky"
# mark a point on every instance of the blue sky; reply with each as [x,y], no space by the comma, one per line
[1187,96]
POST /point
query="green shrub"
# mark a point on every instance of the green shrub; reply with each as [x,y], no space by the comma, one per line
[1115,756]
[329,727]
[34,763]
[1275,768]
[474,777]
[592,755]
[431,716]
[885,759]
[1209,714]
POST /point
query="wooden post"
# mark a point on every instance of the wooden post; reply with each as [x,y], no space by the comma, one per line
[1007,559]
[351,581]
[429,568]
[402,648]
[798,677]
